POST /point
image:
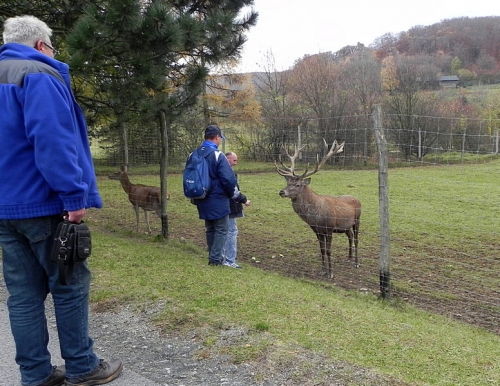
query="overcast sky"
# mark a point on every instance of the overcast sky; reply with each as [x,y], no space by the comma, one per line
[291,29]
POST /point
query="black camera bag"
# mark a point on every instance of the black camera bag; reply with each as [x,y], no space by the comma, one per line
[72,244]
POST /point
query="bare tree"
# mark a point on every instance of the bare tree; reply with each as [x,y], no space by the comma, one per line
[272,87]
[316,82]
[404,79]
[362,78]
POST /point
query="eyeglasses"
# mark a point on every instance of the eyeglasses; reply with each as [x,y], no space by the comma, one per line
[54,51]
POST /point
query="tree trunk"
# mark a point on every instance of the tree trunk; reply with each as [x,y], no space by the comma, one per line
[125,144]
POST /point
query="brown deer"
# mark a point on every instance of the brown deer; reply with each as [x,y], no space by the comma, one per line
[141,196]
[324,214]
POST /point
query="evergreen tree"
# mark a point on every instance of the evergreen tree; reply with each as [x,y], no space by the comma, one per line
[148,61]
[142,58]
[60,15]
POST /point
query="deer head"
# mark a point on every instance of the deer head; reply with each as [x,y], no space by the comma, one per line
[119,174]
[296,183]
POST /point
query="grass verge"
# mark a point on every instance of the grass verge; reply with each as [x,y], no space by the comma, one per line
[390,338]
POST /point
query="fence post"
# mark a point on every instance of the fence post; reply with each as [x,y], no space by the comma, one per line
[383,192]
[163,174]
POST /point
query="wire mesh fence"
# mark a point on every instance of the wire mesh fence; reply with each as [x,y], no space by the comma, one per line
[443,197]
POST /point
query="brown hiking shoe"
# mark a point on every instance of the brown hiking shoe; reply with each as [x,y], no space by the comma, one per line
[57,377]
[105,372]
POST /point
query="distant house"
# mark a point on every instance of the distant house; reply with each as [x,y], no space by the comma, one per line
[449,81]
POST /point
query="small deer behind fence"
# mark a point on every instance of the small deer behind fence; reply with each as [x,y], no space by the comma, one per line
[324,214]
[140,196]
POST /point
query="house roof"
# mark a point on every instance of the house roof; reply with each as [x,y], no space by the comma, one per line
[449,78]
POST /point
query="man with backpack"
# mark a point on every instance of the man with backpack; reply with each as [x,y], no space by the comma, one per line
[214,207]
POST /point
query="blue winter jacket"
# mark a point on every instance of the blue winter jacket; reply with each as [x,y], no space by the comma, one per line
[216,204]
[45,161]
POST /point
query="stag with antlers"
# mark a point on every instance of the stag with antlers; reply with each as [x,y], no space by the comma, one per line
[324,214]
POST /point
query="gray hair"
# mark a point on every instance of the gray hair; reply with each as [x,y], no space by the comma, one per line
[25,30]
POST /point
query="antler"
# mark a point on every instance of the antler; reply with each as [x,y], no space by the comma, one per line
[335,149]
[288,171]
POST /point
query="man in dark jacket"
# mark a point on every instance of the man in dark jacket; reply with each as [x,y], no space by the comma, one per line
[45,168]
[236,204]
[214,208]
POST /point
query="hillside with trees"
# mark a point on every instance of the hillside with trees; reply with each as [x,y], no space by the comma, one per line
[466,47]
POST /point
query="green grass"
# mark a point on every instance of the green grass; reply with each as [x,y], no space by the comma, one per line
[444,228]
[395,339]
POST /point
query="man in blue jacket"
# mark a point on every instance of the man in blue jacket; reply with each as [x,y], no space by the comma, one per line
[214,208]
[45,168]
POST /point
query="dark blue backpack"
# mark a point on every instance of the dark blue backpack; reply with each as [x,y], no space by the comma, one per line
[196,177]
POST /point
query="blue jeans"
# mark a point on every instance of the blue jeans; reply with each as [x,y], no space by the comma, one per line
[216,232]
[231,248]
[29,276]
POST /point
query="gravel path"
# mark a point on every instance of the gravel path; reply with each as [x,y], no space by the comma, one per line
[175,360]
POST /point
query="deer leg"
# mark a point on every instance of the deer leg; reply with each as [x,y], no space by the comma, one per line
[146,214]
[355,229]
[325,244]
[350,236]
[328,242]
[136,208]
[322,246]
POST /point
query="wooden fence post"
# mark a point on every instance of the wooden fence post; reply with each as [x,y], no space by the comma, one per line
[383,189]
[163,175]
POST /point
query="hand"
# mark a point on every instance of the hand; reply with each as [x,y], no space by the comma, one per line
[76,216]
[247,203]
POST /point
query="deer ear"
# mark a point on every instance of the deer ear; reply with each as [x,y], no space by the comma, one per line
[307,181]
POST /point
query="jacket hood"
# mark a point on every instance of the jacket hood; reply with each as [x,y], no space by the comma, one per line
[210,144]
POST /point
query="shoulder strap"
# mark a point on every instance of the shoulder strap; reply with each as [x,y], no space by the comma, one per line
[205,151]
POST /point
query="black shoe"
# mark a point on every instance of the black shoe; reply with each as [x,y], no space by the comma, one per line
[218,263]
[57,377]
[105,372]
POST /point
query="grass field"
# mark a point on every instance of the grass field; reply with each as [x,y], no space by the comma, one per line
[444,269]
